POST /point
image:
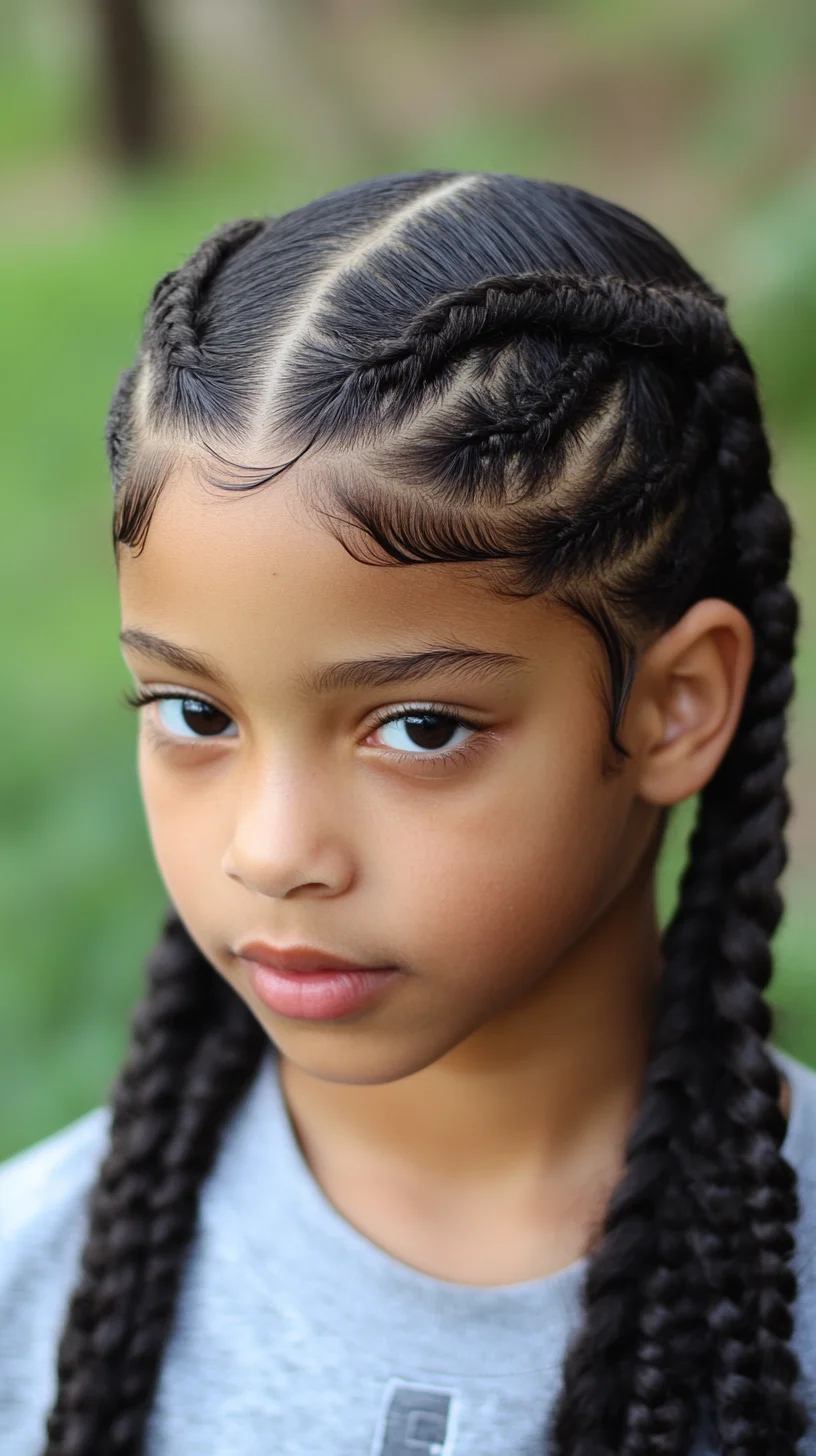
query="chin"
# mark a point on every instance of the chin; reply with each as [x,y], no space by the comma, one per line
[355,1056]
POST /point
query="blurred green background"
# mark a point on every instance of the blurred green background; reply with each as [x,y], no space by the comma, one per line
[129,130]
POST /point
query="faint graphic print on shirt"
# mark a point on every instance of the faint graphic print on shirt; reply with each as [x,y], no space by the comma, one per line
[415,1422]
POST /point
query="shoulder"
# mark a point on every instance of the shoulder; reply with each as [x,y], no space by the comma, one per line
[799,1147]
[43,1199]
[800,1142]
[46,1177]
[43,1218]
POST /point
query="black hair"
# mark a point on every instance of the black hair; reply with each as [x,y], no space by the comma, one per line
[550,390]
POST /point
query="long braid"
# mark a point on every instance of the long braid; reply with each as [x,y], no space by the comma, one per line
[753,774]
[668,1378]
[745,809]
[739,844]
[744,1189]
[195,1047]
[632,1382]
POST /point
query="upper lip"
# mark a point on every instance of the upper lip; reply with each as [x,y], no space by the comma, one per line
[298,958]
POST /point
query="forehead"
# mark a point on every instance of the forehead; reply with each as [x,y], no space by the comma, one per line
[258,576]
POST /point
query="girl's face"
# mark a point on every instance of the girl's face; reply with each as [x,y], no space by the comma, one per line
[473,854]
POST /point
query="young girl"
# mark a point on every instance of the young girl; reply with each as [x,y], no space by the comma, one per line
[427,1140]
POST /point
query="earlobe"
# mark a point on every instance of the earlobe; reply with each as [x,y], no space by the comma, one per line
[693,684]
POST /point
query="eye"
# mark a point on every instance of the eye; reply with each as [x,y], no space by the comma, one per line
[185,718]
[427,732]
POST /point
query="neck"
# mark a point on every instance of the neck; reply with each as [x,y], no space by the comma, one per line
[544,1092]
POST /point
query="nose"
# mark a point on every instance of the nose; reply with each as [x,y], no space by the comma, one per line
[286,837]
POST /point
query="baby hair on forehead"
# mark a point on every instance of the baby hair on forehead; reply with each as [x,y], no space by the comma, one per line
[547,387]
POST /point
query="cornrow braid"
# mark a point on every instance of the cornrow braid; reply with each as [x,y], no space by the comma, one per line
[177,297]
[511,431]
[172,338]
[194,1049]
[687,324]
[600,316]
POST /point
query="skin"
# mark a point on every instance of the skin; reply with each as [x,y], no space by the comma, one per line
[490,1086]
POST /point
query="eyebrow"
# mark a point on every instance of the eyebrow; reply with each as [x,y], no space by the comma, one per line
[181,657]
[361,672]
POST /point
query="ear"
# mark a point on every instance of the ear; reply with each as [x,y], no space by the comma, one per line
[686,701]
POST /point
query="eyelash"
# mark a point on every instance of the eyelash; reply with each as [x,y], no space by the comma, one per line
[463,751]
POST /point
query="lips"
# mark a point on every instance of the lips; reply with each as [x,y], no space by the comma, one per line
[306,984]
[299,958]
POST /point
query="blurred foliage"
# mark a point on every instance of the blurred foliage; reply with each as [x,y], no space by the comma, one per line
[701,119]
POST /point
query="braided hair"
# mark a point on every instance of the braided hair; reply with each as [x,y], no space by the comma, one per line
[550,390]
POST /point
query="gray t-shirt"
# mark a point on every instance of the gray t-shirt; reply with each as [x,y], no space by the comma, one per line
[293,1333]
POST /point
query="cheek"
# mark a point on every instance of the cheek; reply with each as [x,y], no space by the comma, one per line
[514,880]
[184,827]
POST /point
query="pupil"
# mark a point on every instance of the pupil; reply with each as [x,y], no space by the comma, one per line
[201,718]
[425,729]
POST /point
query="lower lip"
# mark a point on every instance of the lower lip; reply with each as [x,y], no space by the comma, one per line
[317,995]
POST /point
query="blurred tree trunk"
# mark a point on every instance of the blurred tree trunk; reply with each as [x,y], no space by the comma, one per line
[130,75]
